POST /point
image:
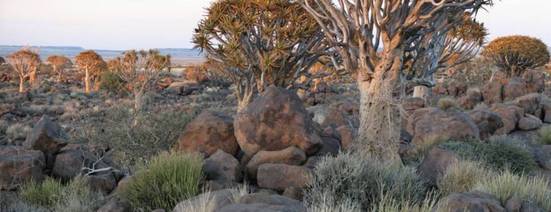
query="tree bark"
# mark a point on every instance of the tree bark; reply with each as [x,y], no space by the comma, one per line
[86,81]
[422,91]
[21,84]
[379,131]
[138,102]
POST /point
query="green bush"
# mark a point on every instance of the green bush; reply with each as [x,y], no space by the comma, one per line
[46,194]
[55,196]
[361,180]
[499,156]
[167,180]
[462,177]
[112,83]
[506,185]
[545,135]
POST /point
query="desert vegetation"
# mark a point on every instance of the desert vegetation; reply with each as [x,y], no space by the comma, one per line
[310,105]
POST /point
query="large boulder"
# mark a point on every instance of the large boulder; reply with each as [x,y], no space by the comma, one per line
[492,92]
[472,98]
[265,202]
[208,133]
[439,124]
[184,88]
[510,115]
[435,164]
[531,103]
[472,202]
[487,121]
[222,167]
[46,136]
[546,110]
[529,122]
[515,87]
[543,157]
[535,81]
[281,176]
[290,156]
[18,165]
[274,121]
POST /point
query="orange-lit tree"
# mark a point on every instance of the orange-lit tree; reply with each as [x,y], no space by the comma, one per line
[92,64]
[59,63]
[516,54]
[25,62]
[258,43]
[140,70]
[375,39]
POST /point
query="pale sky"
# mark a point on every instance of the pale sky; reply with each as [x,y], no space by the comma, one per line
[128,24]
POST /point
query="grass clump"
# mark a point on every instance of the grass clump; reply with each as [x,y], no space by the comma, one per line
[506,185]
[389,204]
[55,196]
[498,156]
[545,135]
[447,103]
[357,178]
[168,179]
[462,177]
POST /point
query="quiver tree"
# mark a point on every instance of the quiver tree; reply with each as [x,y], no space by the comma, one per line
[515,54]
[440,51]
[375,39]
[259,43]
[140,70]
[59,63]
[92,64]
[25,62]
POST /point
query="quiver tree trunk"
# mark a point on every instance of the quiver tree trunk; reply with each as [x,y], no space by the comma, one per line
[138,102]
[32,79]
[379,131]
[86,81]
[422,91]
[21,84]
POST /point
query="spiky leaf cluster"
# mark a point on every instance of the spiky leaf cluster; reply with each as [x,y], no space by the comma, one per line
[515,54]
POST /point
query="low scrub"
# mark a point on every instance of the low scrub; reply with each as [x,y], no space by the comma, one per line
[536,190]
[55,196]
[389,204]
[498,156]
[358,179]
[462,177]
[168,179]
[545,135]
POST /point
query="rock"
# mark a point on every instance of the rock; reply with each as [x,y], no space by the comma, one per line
[514,88]
[282,176]
[274,121]
[510,115]
[471,99]
[18,165]
[487,121]
[123,183]
[102,182]
[435,164]
[262,207]
[535,81]
[293,193]
[223,167]
[346,135]
[289,156]
[115,205]
[48,137]
[531,103]
[16,133]
[514,204]
[329,146]
[218,199]
[436,123]
[529,122]
[184,88]
[543,157]
[73,158]
[207,133]
[312,162]
[546,109]
[413,103]
[472,202]
[456,88]
[492,92]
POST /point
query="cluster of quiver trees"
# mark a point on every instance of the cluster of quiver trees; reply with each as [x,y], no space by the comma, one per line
[387,44]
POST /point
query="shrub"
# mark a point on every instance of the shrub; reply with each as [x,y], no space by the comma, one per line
[53,195]
[167,180]
[499,156]
[389,204]
[447,103]
[208,203]
[112,83]
[516,54]
[545,135]
[506,185]
[462,177]
[359,179]
[133,144]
